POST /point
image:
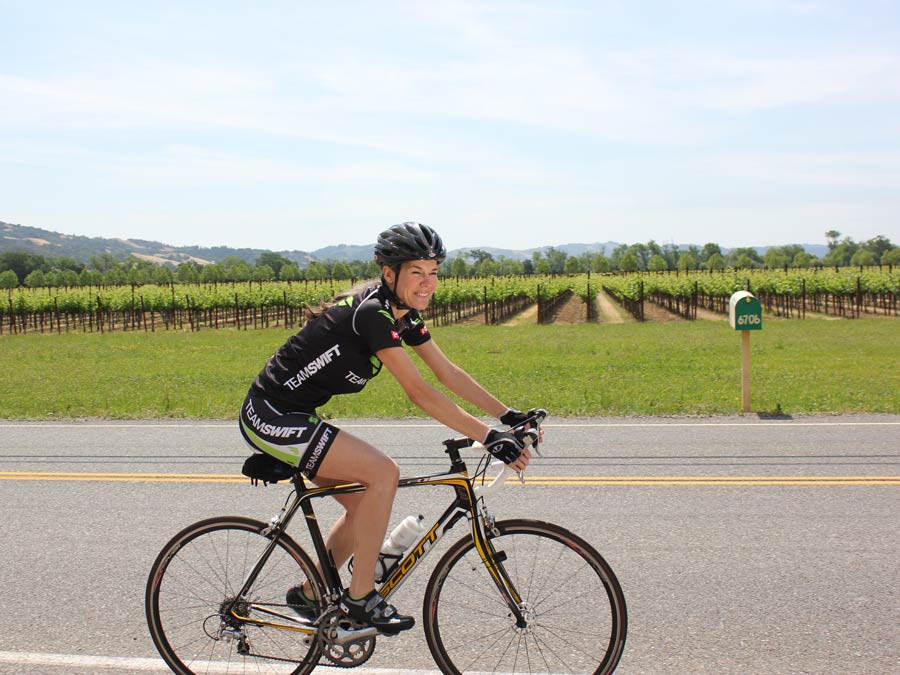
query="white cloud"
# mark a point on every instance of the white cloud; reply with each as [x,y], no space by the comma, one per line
[793,170]
[467,112]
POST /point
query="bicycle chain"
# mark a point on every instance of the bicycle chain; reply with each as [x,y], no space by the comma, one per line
[332,662]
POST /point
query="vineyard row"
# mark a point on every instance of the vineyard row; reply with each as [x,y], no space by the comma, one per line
[847,293]
[251,305]
[786,295]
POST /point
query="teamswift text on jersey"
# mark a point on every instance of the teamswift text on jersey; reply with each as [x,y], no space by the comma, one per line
[353,378]
[270,429]
[313,367]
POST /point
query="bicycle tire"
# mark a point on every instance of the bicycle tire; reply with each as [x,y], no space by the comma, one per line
[199,571]
[575,608]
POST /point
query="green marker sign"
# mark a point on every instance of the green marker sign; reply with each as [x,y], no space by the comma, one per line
[744,311]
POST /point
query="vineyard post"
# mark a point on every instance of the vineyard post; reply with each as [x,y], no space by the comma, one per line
[187,302]
[803,298]
[590,299]
[695,299]
[641,300]
[540,303]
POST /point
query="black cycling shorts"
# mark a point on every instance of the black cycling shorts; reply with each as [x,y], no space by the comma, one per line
[298,438]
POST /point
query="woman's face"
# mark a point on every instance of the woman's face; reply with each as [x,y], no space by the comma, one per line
[416,283]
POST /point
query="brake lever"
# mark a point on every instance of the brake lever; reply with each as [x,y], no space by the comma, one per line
[537,417]
[535,435]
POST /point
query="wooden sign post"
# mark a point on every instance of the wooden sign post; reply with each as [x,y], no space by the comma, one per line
[745,314]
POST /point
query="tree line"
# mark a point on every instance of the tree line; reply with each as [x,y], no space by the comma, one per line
[35,271]
[652,257]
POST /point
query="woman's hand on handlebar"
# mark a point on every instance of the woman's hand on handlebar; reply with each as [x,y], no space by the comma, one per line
[516,419]
[522,461]
[506,446]
[512,447]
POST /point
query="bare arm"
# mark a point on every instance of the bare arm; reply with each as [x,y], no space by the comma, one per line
[458,380]
[429,399]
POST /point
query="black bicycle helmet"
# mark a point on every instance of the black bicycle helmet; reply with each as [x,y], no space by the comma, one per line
[409,241]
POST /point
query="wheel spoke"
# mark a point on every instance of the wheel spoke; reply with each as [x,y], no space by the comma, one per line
[572,603]
[199,574]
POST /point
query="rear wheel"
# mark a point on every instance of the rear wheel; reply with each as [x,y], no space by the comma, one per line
[196,579]
[572,602]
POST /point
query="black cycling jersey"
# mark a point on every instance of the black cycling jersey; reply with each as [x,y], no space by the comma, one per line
[335,353]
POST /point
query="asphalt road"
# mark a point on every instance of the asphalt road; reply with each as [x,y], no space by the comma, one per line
[744,545]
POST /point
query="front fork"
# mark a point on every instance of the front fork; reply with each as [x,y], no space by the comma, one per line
[483,530]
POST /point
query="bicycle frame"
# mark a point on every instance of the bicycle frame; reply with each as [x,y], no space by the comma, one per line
[544,600]
[466,502]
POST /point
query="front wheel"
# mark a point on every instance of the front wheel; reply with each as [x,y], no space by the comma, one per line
[201,622]
[572,602]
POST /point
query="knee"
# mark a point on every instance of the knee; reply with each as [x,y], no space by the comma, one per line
[394,471]
[385,476]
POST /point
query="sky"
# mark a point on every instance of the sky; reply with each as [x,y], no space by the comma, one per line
[298,125]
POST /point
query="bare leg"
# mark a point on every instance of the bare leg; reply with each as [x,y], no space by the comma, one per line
[340,538]
[360,531]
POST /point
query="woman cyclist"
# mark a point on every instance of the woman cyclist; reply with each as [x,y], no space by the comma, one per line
[337,352]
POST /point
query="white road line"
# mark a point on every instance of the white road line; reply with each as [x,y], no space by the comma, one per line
[122,663]
[574,425]
[784,423]
[82,661]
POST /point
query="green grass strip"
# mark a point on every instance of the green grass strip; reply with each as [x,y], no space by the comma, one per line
[681,368]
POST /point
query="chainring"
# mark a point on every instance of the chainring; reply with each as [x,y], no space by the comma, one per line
[348,653]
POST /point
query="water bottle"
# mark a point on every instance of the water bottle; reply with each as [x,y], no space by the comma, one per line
[395,544]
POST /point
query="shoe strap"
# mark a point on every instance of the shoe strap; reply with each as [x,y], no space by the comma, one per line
[375,605]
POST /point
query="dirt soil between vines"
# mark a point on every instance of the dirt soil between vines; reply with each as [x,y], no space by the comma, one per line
[606,310]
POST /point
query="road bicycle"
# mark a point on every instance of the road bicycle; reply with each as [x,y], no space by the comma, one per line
[510,596]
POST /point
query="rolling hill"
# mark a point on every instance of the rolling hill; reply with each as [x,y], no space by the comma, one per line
[82,248]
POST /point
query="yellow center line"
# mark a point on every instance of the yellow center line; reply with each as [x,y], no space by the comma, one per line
[125,477]
[533,480]
[715,480]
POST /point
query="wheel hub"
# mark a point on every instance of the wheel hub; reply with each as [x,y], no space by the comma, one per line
[237,609]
